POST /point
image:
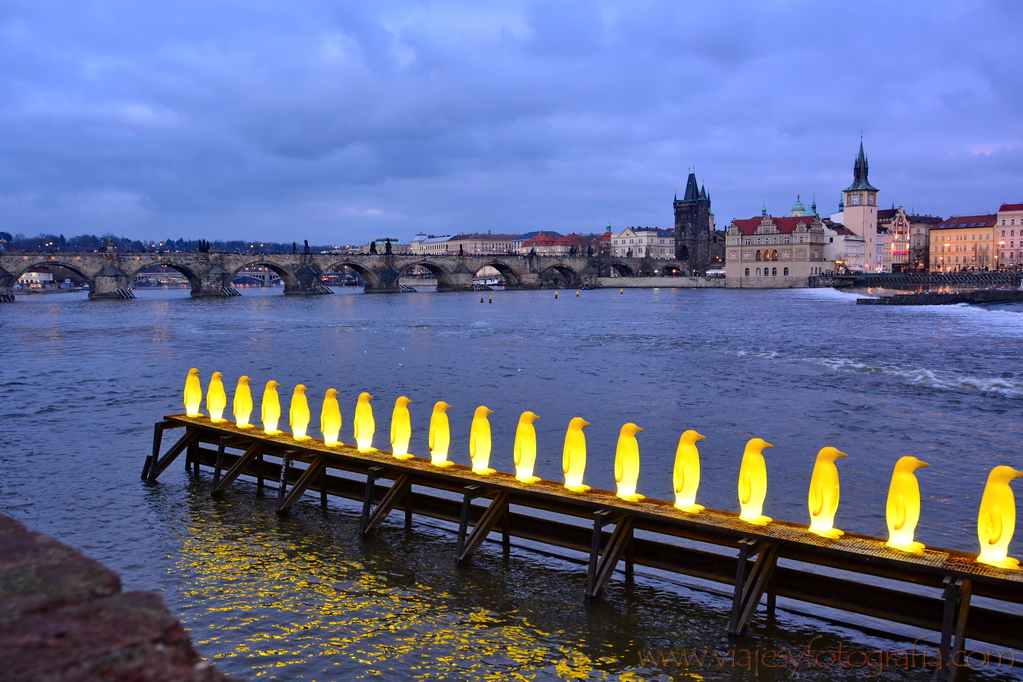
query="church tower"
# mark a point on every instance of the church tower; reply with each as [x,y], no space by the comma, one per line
[860,211]
[692,228]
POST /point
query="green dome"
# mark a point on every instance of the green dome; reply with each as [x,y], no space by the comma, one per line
[798,206]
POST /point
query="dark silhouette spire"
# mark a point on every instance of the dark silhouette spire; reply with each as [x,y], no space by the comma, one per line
[860,170]
[692,191]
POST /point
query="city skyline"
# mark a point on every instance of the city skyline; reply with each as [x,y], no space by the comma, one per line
[341,124]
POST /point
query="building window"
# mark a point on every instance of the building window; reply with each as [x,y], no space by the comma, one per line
[747,272]
[758,272]
[785,272]
[774,272]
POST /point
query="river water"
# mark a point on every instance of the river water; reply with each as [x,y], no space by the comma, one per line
[303,597]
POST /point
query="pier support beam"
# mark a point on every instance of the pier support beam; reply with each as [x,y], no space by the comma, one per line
[313,472]
[469,542]
[398,491]
[750,583]
[602,564]
[220,484]
[958,592]
[156,465]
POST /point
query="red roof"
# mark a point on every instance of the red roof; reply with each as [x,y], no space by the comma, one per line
[1011,207]
[838,228]
[959,222]
[785,224]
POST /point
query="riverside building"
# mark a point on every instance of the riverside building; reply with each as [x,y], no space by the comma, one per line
[775,253]
[1009,236]
[964,243]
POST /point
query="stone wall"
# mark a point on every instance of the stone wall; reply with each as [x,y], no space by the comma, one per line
[661,282]
[63,617]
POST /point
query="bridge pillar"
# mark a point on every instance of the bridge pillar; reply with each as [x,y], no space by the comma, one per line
[6,287]
[459,280]
[214,283]
[306,283]
[385,281]
[110,283]
[527,280]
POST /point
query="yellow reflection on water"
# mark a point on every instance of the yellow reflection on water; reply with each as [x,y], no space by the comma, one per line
[311,609]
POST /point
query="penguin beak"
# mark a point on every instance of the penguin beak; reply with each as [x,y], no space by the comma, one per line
[1018,474]
[700,437]
[840,454]
[585,423]
[767,445]
[638,429]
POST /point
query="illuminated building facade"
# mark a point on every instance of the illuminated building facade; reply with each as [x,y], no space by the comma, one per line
[964,243]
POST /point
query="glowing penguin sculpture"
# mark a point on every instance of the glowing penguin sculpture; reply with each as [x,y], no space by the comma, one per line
[996,522]
[330,419]
[270,409]
[627,463]
[242,407]
[365,425]
[525,448]
[573,459]
[823,497]
[440,435]
[903,508]
[401,428]
[686,478]
[479,442]
[216,398]
[193,393]
[753,483]
[298,415]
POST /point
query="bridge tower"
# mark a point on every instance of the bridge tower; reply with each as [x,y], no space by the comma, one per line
[692,228]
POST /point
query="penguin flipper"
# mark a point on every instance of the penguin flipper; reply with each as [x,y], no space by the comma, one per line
[680,479]
[745,489]
[900,512]
[995,519]
[619,469]
[816,500]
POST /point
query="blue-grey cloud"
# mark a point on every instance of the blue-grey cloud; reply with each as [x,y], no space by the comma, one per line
[341,121]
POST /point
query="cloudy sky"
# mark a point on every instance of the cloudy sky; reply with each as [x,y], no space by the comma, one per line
[339,121]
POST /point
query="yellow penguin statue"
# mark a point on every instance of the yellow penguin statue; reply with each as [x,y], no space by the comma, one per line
[330,419]
[525,448]
[401,428]
[440,435]
[216,398]
[193,394]
[753,483]
[365,425]
[479,442]
[686,478]
[996,522]
[627,463]
[903,508]
[298,415]
[823,497]
[271,409]
[573,459]
[242,407]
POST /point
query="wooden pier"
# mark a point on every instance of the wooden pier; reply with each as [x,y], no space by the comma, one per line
[608,534]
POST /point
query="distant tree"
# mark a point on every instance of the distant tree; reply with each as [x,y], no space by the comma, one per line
[6,236]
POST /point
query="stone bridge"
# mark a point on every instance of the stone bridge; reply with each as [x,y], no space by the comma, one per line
[109,274]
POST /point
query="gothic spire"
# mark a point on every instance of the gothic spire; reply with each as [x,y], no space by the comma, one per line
[692,191]
[860,170]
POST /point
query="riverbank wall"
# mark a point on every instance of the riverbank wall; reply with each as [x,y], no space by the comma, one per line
[661,282]
[63,616]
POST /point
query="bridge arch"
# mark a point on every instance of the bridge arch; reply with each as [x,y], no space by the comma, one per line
[370,279]
[17,272]
[561,275]
[287,276]
[620,269]
[440,273]
[512,280]
[194,279]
